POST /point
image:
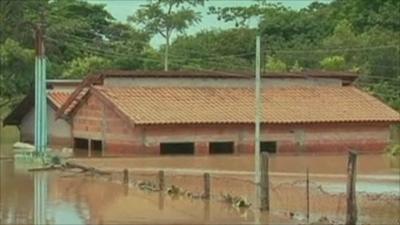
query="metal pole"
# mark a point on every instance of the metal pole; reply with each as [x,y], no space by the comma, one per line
[257,123]
[40,95]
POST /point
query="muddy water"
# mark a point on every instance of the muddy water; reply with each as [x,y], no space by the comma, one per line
[67,198]
[70,198]
[60,198]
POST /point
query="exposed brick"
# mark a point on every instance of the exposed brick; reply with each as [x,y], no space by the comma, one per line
[201,148]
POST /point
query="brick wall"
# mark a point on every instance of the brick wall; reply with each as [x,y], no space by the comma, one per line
[94,120]
[101,122]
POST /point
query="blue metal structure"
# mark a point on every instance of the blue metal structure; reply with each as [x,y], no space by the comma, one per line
[40,97]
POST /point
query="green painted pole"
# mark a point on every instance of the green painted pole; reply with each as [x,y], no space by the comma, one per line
[44,107]
[36,134]
[40,96]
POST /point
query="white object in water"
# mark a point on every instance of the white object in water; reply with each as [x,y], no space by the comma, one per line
[21,145]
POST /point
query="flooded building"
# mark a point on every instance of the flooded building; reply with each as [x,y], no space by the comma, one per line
[23,116]
[200,113]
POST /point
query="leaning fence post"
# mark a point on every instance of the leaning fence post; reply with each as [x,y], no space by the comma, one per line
[126,176]
[161,180]
[207,187]
[351,215]
[308,195]
[264,182]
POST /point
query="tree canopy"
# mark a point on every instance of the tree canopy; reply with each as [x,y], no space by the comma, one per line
[81,37]
[165,17]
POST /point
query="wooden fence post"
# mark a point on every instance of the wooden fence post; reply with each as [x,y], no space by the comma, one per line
[264,182]
[308,195]
[126,176]
[89,147]
[161,180]
[207,187]
[161,196]
[351,214]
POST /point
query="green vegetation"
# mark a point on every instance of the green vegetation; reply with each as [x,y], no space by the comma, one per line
[394,150]
[165,17]
[81,37]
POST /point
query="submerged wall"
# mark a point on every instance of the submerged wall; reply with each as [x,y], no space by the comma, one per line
[59,130]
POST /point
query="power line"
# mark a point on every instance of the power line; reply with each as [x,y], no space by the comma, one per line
[213,56]
[110,54]
[276,50]
[290,50]
[177,59]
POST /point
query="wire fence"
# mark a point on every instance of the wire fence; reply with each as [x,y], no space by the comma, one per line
[327,196]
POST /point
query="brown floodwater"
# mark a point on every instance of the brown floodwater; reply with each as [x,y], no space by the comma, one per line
[72,198]
[67,198]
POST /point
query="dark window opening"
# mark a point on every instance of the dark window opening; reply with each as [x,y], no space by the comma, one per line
[81,143]
[221,147]
[268,146]
[96,148]
[179,148]
[81,147]
[96,145]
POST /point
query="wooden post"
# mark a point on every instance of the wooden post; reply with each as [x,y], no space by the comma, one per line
[308,195]
[126,176]
[351,215]
[161,196]
[161,180]
[207,184]
[264,182]
[89,147]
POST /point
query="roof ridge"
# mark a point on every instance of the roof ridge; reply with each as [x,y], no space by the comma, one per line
[225,88]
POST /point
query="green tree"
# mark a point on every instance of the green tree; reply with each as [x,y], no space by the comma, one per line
[16,74]
[231,49]
[334,63]
[80,67]
[165,17]
[275,65]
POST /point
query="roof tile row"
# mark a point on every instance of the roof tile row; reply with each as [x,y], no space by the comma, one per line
[236,105]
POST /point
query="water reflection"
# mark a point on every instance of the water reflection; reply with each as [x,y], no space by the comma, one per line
[40,198]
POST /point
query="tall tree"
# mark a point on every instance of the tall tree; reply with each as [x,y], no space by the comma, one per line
[165,17]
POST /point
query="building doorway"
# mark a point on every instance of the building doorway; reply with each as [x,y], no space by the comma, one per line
[221,147]
[177,148]
[268,146]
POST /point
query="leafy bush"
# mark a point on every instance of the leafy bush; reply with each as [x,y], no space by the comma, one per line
[336,63]
[275,65]
[394,150]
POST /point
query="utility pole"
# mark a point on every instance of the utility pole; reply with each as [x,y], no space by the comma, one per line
[40,92]
[257,123]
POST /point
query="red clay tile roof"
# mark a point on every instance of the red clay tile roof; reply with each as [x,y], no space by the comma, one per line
[236,105]
[58,98]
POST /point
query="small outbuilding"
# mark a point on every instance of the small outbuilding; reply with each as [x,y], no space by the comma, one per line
[23,116]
